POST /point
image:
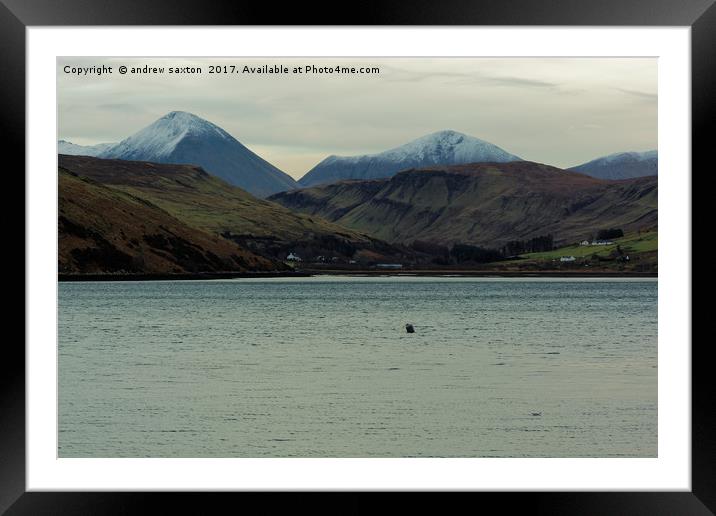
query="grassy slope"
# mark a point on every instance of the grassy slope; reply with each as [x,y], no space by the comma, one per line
[103,230]
[634,243]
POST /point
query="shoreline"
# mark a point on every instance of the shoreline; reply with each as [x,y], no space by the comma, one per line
[179,277]
[307,273]
[486,273]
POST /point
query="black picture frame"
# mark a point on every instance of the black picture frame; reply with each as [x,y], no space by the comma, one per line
[17,15]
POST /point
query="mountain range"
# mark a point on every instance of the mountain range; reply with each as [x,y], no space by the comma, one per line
[184,138]
[72,149]
[440,148]
[621,165]
[483,204]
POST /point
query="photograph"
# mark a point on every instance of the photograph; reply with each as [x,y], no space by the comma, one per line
[357,257]
[414,248]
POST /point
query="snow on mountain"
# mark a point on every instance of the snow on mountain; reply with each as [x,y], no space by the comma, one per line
[65,147]
[161,138]
[621,165]
[183,138]
[440,148]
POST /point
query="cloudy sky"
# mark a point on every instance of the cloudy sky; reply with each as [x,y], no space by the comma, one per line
[560,111]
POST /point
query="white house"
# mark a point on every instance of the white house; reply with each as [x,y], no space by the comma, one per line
[567,259]
[584,242]
[293,257]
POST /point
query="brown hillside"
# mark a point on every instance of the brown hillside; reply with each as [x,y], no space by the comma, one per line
[209,204]
[484,204]
[103,230]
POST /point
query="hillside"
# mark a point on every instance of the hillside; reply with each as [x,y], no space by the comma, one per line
[440,148]
[484,204]
[207,203]
[103,230]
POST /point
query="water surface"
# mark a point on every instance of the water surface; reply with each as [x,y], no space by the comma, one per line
[322,367]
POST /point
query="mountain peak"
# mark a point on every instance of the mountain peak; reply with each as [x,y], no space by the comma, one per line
[445,147]
[175,114]
[162,137]
[630,155]
[622,165]
[447,133]
[185,138]
[184,117]
[447,137]
[190,123]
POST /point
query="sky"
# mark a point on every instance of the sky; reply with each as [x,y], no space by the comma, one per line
[559,111]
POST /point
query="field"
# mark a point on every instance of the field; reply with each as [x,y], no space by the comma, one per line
[641,248]
[634,243]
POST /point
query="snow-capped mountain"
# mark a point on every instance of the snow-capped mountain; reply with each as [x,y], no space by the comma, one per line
[622,165]
[183,138]
[65,147]
[441,148]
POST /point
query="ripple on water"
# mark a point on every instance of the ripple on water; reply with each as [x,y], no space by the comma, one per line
[320,367]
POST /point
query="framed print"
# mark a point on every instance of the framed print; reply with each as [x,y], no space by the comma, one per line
[414,250]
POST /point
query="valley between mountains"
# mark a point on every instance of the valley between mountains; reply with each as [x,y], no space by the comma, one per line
[184,197]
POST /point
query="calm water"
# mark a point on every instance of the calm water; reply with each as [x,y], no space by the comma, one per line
[322,367]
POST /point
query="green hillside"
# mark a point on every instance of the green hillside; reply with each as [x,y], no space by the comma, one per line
[641,248]
[634,244]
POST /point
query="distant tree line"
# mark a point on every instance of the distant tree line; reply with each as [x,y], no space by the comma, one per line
[534,245]
[457,254]
[461,253]
[439,254]
[609,234]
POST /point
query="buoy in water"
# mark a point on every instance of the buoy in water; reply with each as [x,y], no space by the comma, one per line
[409,328]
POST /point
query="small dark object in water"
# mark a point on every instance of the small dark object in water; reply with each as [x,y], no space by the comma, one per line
[409,328]
[536,413]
